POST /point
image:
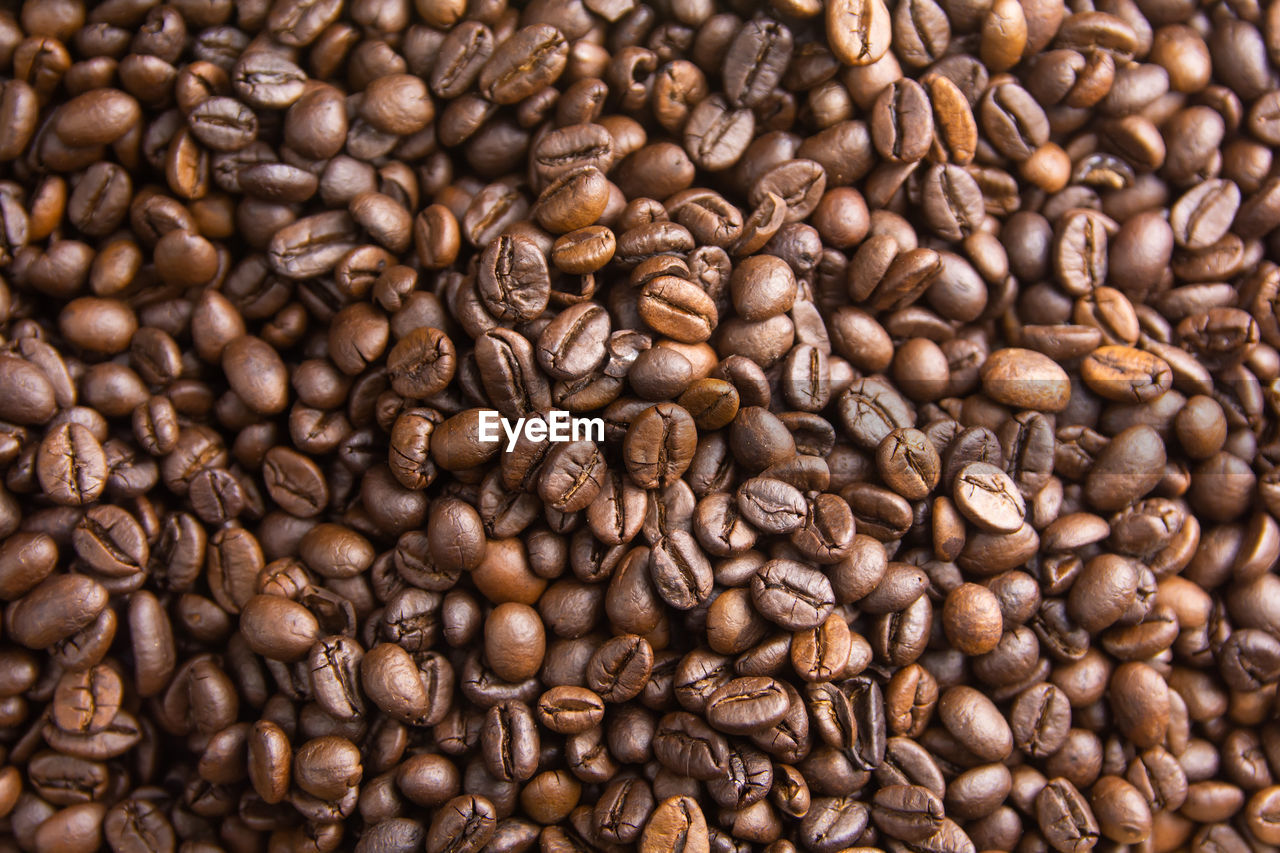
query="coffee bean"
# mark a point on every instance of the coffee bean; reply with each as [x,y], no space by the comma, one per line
[861,31]
[71,466]
[532,58]
[681,574]
[907,812]
[687,746]
[971,619]
[575,199]
[677,823]
[1120,372]
[570,710]
[1065,817]
[620,668]
[792,595]
[509,741]
[334,662]
[678,309]
[467,822]
[311,246]
[747,705]
[574,343]
[908,463]
[55,610]
[833,823]
[658,447]
[99,117]
[902,122]
[988,497]
[973,718]
[771,506]
[514,641]
[1025,379]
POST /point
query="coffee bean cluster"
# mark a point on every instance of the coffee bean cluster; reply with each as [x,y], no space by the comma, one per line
[933,348]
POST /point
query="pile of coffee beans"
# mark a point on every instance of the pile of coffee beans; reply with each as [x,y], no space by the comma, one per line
[830,426]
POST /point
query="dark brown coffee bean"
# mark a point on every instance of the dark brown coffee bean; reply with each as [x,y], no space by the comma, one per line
[747,705]
[620,668]
[988,497]
[570,710]
[532,58]
[681,573]
[71,466]
[1065,817]
[772,506]
[973,718]
[312,246]
[792,595]
[223,124]
[509,741]
[1202,216]
[687,746]
[833,823]
[99,117]
[465,823]
[55,610]
[907,812]
[659,445]
[1025,379]
[902,122]
[908,463]
[575,199]
[575,342]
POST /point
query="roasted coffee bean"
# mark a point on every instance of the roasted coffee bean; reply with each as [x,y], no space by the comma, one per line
[833,823]
[677,308]
[909,463]
[71,466]
[1065,817]
[681,573]
[989,498]
[687,746]
[973,719]
[909,813]
[747,705]
[570,710]
[791,594]
[55,610]
[467,822]
[620,668]
[771,506]
[902,122]
[677,823]
[532,58]
[575,342]
[509,741]
[659,444]
[860,32]
[1026,379]
[1119,372]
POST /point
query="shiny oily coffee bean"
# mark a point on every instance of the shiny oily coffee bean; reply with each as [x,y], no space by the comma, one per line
[772,506]
[747,705]
[791,594]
